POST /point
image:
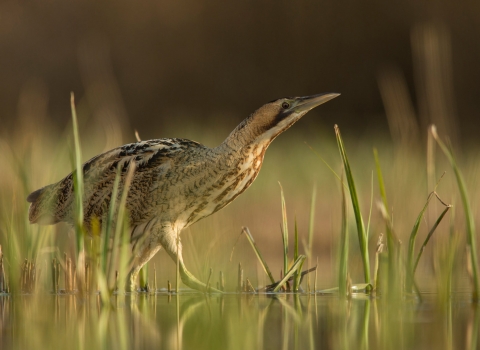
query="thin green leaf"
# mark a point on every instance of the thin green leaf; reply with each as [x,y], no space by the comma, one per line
[393,243]
[367,232]
[257,252]
[121,218]
[344,245]
[78,178]
[296,278]
[311,224]
[362,238]
[284,230]
[109,224]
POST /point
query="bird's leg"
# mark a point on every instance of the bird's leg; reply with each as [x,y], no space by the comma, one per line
[174,248]
[147,252]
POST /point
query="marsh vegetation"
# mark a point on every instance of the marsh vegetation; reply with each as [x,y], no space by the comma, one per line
[363,224]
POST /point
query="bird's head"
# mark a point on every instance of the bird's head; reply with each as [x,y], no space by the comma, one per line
[275,117]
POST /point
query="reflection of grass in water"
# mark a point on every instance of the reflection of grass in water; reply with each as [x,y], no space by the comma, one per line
[193,320]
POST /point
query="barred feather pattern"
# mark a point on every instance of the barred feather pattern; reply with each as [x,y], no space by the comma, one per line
[176,180]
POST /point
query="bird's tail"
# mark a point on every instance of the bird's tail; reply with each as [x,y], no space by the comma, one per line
[42,207]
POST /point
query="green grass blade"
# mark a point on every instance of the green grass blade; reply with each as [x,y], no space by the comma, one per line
[284,230]
[367,232]
[381,183]
[311,224]
[362,237]
[471,234]
[78,191]
[78,178]
[259,255]
[125,251]
[103,286]
[343,265]
[452,252]
[296,278]
[121,220]
[391,238]
[109,223]
[383,194]
[295,247]
[376,269]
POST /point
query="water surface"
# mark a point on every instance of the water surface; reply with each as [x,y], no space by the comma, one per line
[236,321]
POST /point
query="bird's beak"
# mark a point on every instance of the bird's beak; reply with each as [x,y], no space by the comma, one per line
[309,102]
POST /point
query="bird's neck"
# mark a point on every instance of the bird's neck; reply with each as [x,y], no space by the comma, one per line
[245,135]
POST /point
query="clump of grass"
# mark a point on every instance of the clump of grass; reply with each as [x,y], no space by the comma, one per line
[91,269]
[294,272]
[111,242]
[395,271]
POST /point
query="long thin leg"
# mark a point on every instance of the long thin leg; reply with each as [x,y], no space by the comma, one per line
[147,252]
[168,240]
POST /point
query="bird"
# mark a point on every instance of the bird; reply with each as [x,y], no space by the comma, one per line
[176,182]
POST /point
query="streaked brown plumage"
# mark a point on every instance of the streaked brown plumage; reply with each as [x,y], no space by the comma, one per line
[176,181]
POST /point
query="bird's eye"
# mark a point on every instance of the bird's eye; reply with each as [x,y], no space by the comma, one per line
[285,105]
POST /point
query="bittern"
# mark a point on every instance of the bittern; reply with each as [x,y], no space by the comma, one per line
[176,182]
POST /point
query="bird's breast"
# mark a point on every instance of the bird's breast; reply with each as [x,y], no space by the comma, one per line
[230,181]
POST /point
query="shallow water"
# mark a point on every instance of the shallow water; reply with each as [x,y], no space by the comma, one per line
[236,321]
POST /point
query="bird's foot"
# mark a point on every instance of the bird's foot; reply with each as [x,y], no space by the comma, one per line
[189,280]
[131,285]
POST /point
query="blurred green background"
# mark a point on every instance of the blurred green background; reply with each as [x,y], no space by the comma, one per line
[157,63]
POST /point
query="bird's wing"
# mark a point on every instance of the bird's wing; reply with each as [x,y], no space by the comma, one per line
[153,161]
[146,154]
[54,203]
